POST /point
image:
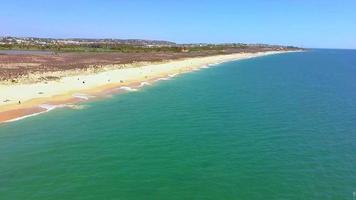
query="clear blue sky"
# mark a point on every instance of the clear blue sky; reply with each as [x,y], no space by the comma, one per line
[307,23]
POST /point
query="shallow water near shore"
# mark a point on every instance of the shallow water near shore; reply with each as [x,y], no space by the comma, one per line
[274,127]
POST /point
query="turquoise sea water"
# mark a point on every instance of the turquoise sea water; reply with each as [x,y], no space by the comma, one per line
[274,127]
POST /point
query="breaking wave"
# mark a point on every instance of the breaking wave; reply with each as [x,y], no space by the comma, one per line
[128,88]
[172,75]
[47,107]
[144,83]
[82,96]
[163,79]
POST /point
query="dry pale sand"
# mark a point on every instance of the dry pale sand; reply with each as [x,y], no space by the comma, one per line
[20,100]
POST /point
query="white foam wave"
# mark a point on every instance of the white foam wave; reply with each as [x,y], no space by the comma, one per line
[163,79]
[144,83]
[47,107]
[213,64]
[128,88]
[24,117]
[50,107]
[82,96]
[77,107]
[172,75]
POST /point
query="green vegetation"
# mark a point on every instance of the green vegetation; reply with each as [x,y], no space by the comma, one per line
[126,48]
[109,48]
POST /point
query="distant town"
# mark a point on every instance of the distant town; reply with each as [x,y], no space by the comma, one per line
[121,45]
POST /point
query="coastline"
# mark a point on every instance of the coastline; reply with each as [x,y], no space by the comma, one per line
[20,101]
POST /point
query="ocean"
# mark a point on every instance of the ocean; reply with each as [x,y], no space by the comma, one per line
[273,127]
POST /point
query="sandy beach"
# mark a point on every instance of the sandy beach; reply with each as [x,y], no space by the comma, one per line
[18,101]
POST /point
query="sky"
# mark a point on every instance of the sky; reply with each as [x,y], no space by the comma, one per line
[304,23]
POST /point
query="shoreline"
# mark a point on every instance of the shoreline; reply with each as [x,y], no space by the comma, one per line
[20,101]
